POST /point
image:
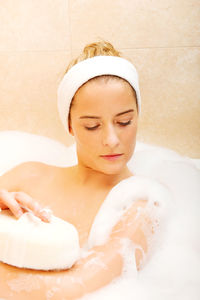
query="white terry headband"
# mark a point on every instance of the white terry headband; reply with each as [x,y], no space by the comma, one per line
[88,69]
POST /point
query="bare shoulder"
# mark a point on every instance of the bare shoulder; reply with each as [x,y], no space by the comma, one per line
[16,178]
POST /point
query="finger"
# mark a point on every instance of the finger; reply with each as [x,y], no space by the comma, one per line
[2,205]
[45,215]
[28,203]
[8,201]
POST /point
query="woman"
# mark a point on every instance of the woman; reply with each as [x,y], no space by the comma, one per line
[99,104]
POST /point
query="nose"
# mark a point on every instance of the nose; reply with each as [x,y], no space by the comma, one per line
[110,137]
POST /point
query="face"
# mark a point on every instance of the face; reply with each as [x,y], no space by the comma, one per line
[104,123]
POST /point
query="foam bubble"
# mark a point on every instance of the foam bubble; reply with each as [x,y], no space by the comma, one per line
[173,269]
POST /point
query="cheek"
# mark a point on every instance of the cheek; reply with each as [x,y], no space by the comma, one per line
[129,136]
[86,141]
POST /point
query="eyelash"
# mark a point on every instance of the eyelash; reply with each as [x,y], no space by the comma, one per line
[92,128]
[120,123]
[125,123]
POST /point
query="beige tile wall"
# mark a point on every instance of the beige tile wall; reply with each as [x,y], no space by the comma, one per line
[162,38]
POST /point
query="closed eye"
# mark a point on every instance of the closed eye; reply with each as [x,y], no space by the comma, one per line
[119,123]
[92,128]
[124,123]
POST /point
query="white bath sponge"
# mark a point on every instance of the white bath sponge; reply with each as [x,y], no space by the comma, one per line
[31,243]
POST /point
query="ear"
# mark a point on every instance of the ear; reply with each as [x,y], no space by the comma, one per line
[70,129]
[70,125]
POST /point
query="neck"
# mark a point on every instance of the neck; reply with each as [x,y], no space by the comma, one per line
[86,175]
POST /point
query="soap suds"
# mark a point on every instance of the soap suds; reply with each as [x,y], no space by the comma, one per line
[24,283]
[173,269]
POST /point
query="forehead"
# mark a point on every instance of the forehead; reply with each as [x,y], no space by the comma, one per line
[104,95]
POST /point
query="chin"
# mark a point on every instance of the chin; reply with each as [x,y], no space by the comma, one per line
[112,170]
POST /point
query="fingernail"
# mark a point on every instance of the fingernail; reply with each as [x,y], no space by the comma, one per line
[45,216]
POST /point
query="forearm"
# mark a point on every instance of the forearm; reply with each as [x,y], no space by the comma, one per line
[99,268]
[89,274]
[106,261]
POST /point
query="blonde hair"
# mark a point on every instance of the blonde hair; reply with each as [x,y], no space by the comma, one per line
[95,49]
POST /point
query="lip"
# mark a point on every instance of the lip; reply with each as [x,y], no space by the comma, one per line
[111,157]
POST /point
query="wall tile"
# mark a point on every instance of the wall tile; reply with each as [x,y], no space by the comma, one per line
[169,89]
[170,97]
[136,23]
[34,25]
[160,37]
[28,92]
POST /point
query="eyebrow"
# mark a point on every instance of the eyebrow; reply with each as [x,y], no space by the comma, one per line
[125,112]
[95,117]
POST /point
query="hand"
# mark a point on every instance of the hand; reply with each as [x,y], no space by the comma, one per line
[19,202]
